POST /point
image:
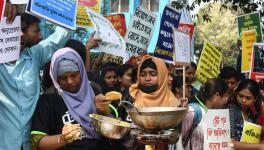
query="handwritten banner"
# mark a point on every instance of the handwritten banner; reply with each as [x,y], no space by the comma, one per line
[251,133]
[189,28]
[111,58]
[182,47]
[217,129]
[82,18]
[248,39]
[119,23]
[61,12]
[112,41]
[10,40]
[250,22]
[209,63]
[164,48]
[257,71]
[140,31]
[2,8]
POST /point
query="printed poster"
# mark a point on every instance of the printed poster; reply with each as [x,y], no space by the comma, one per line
[248,39]
[251,133]
[182,47]
[250,22]
[164,48]
[112,41]
[119,23]
[257,71]
[139,32]
[61,12]
[82,18]
[10,40]
[209,63]
[217,130]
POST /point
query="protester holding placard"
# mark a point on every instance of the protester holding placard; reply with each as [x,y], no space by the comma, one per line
[243,118]
[212,95]
[20,84]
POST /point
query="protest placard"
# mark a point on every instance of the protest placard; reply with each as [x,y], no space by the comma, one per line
[112,41]
[189,28]
[182,47]
[119,23]
[257,71]
[139,32]
[2,8]
[217,130]
[19,1]
[250,22]
[251,133]
[61,12]
[112,58]
[164,48]
[209,63]
[10,40]
[248,39]
[82,18]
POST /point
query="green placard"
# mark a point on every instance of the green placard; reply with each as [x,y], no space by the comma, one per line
[250,22]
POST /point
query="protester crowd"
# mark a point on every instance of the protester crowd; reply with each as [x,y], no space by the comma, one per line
[75,86]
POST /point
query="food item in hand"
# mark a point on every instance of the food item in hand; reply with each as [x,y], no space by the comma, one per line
[72,128]
[113,95]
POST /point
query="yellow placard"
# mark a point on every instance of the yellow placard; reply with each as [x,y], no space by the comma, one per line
[82,18]
[209,63]
[248,39]
[251,133]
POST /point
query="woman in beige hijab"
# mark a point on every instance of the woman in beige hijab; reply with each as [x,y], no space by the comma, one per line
[151,89]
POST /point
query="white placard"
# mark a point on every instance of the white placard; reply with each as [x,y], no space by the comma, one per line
[139,32]
[217,130]
[19,1]
[10,40]
[182,47]
[112,42]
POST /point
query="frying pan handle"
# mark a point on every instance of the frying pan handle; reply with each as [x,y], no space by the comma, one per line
[128,106]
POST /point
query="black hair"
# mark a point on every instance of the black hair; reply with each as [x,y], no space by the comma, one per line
[178,82]
[110,64]
[193,65]
[261,84]
[78,46]
[122,69]
[148,63]
[28,19]
[102,82]
[210,88]
[253,87]
[228,72]
[107,69]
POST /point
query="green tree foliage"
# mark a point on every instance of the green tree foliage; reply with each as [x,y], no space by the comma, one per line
[221,31]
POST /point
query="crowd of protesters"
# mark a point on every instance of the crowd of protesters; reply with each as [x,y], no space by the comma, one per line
[74,87]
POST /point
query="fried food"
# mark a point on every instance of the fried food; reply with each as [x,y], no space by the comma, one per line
[113,95]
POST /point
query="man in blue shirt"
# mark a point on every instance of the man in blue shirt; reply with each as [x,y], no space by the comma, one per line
[20,84]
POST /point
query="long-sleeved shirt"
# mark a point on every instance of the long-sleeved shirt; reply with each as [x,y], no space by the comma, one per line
[20,89]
